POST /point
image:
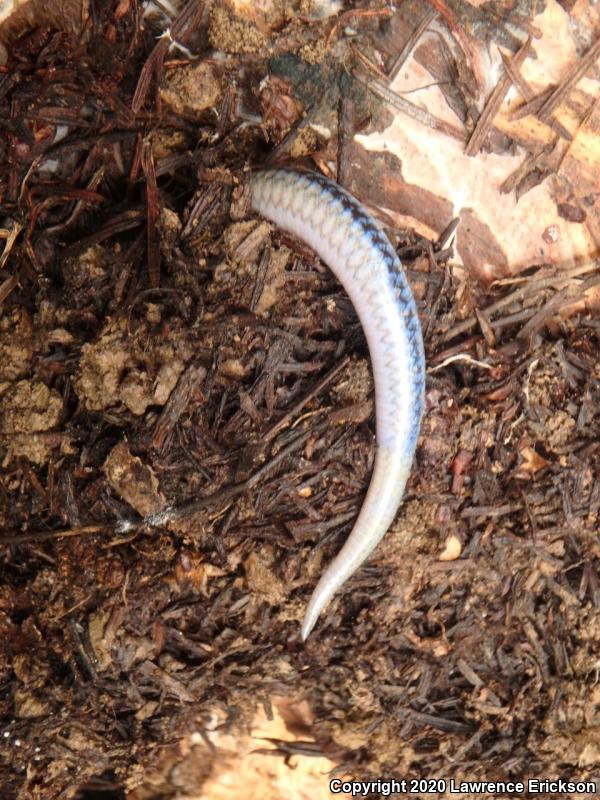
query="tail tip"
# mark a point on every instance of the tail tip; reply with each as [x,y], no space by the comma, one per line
[308,623]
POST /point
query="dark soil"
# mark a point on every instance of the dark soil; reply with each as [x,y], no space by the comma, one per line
[166,355]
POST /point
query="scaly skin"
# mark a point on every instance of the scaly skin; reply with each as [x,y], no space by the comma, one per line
[358,252]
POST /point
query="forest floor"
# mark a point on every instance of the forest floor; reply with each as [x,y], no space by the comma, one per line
[187,434]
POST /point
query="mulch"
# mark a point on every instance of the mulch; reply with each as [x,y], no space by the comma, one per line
[187,433]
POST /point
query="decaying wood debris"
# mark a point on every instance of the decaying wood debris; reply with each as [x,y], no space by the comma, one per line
[186,416]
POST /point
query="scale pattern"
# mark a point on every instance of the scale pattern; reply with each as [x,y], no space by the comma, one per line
[351,243]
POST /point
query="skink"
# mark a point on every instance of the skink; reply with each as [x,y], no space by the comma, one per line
[351,243]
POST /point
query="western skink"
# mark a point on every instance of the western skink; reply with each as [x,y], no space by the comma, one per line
[358,252]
